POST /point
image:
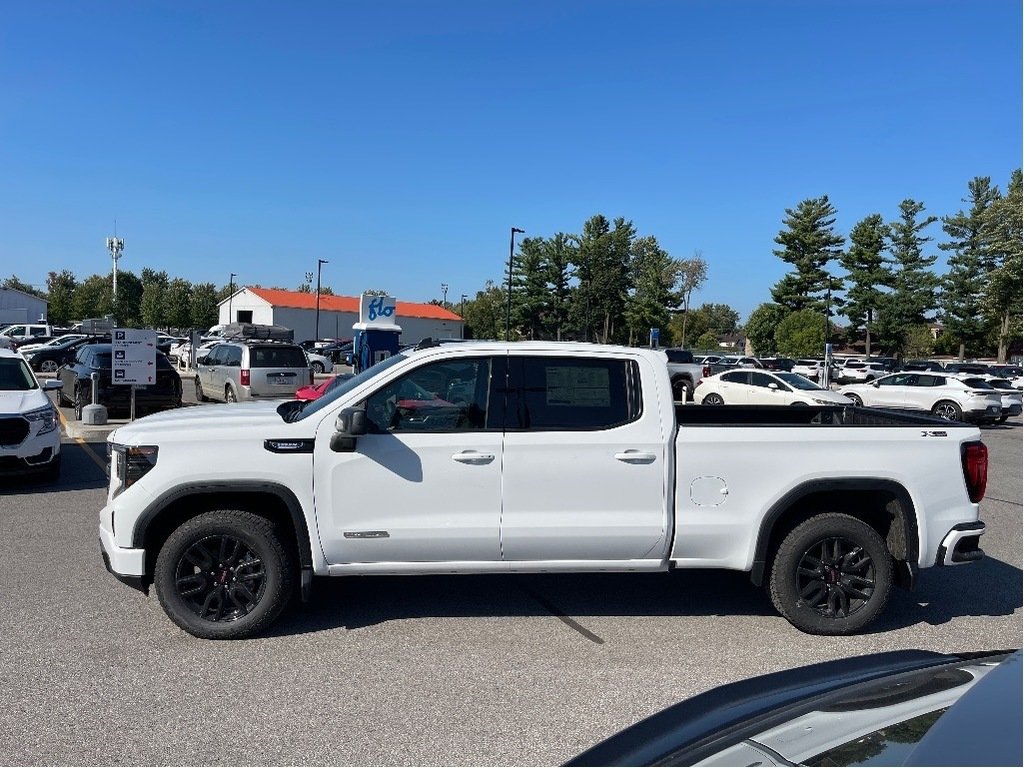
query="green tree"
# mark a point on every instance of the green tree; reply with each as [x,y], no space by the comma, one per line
[866,273]
[963,287]
[128,309]
[178,300]
[707,340]
[919,342]
[91,298]
[530,297]
[204,305]
[651,272]
[1002,231]
[761,326]
[801,334]
[809,242]
[602,270]
[485,313]
[914,283]
[61,286]
[14,283]
[559,255]
[154,292]
[690,275]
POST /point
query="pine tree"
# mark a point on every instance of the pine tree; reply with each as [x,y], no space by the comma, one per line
[1002,231]
[809,243]
[61,290]
[963,287]
[867,273]
[651,274]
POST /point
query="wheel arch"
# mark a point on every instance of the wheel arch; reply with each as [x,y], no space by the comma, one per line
[273,501]
[882,503]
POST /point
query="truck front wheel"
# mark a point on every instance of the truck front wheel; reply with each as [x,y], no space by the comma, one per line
[682,390]
[223,575]
[831,575]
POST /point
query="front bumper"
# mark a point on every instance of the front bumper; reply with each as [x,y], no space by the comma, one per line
[126,565]
[960,545]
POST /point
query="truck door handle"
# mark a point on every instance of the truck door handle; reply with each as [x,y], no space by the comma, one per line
[473,457]
[636,457]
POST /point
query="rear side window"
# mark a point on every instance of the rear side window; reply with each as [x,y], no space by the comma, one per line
[737,377]
[679,356]
[277,357]
[571,393]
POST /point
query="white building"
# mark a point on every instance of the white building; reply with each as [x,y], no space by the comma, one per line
[297,310]
[20,307]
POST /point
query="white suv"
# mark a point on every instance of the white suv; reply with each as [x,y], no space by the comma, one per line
[29,437]
[858,371]
[944,396]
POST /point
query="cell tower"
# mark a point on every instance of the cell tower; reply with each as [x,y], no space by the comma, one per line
[116,247]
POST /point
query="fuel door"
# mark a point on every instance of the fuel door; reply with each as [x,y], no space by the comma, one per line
[708,491]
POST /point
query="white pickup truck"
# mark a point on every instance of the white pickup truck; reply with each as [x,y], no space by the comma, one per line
[554,457]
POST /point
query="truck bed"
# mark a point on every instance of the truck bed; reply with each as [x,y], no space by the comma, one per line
[793,415]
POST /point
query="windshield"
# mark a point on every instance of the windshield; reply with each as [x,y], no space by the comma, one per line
[15,375]
[796,381]
[315,406]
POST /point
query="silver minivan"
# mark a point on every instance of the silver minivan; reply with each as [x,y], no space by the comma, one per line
[252,370]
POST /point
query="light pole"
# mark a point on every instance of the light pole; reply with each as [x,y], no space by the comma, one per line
[319,264]
[444,294]
[231,294]
[508,310]
[116,247]
[825,369]
[462,314]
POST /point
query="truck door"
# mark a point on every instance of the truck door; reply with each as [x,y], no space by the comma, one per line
[425,484]
[584,474]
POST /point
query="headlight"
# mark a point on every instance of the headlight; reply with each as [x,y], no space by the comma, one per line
[46,417]
[130,463]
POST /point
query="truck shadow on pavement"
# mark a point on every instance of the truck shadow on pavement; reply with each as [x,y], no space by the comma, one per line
[988,588]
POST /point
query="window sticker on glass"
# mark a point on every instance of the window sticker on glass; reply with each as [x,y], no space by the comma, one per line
[578,387]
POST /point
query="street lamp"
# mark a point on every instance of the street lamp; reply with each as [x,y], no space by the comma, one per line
[825,369]
[319,264]
[231,294]
[508,310]
[462,314]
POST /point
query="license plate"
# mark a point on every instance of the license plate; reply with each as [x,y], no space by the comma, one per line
[284,378]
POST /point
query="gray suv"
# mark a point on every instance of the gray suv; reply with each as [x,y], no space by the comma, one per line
[252,370]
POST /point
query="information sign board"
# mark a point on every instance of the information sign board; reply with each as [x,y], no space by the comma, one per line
[134,356]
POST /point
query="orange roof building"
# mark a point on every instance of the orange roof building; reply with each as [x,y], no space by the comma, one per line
[297,310]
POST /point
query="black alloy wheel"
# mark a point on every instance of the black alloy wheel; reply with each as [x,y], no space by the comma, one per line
[713,399]
[48,366]
[856,400]
[79,402]
[224,574]
[229,395]
[831,575]
[947,410]
[317,366]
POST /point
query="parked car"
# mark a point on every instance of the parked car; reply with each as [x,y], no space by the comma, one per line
[19,333]
[50,343]
[808,367]
[241,370]
[684,373]
[319,363]
[777,363]
[1005,371]
[856,371]
[975,368]
[922,365]
[340,353]
[1013,399]
[895,708]
[164,342]
[752,387]
[29,437]
[49,359]
[946,397]
[315,391]
[76,379]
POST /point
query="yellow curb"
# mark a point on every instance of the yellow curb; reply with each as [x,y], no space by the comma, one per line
[89,451]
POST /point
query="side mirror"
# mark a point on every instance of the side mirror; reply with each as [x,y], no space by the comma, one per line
[875,384]
[773,385]
[53,384]
[351,423]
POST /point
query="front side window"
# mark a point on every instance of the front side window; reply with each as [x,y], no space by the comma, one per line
[763,380]
[896,380]
[738,377]
[446,396]
[571,393]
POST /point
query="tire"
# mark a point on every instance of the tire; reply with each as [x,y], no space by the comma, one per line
[713,399]
[1002,419]
[48,366]
[62,399]
[248,584]
[948,410]
[682,390]
[317,366]
[229,395]
[856,400]
[200,395]
[815,563]
[78,402]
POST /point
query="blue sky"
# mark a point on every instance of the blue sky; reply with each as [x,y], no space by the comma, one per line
[402,140]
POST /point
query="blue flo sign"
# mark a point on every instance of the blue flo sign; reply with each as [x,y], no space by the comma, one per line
[377,311]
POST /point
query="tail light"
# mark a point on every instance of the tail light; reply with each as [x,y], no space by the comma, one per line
[705,371]
[244,377]
[974,457]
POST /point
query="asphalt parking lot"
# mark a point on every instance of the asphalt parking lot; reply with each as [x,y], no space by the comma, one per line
[470,670]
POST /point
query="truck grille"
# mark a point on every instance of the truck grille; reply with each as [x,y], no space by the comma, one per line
[13,430]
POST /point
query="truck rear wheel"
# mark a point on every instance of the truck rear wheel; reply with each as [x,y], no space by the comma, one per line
[831,575]
[223,575]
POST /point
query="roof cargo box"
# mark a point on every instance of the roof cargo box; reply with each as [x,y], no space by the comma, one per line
[259,332]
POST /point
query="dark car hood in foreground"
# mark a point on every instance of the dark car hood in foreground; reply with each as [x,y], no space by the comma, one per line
[898,708]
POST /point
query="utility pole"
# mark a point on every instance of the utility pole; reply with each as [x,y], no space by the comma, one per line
[444,294]
[319,264]
[462,314]
[116,247]
[508,310]
[231,294]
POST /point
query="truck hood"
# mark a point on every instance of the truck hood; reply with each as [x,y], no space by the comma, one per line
[207,421]
[21,401]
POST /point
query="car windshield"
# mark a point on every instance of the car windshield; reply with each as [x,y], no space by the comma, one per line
[1000,384]
[296,411]
[796,381]
[15,375]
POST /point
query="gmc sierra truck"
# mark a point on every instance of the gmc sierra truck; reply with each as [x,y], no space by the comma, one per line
[533,457]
